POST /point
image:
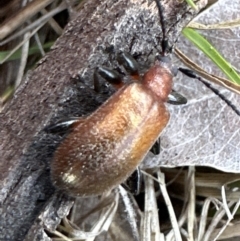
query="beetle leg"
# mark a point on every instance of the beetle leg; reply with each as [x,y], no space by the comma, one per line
[175,98]
[130,64]
[156,147]
[193,75]
[111,76]
[134,183]
[63,125]
[96,81]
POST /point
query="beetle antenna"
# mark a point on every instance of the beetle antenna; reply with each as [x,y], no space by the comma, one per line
[165,45]
[191,74]
[166,49]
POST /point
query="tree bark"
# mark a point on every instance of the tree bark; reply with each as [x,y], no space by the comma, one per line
[61,87]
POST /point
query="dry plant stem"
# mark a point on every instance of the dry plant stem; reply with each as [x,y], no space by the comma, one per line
[216,193]
[39,22]
[181,222]
[210,185]
[150,231]
[102,224]
[149,175]
[73,231]
[187,209]
[55,26]
[106,218]
[23,60]
[225,205]
[230,215]
[131,215]
[69,227]
[108,206]
[71,216]
[230,232]
[105,201]
[213,78]
[191,202]
[155,225]
[203,219]
[217,180]
[175,233]
[236,208]
[173,219]
[203,180]
[223,25]
[59,234]
[23,15]
[179,172]
[39,44]
[215,220]
[146,219]
[21,43]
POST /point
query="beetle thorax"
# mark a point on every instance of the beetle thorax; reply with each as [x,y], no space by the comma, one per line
[159,79]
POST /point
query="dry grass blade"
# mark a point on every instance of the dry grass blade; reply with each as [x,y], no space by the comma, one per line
[23,15]
[175,226]
[20,44]
[131,215]
[23,60]
[215,220]
[230,215]
[106,217]
[39,22]
[232,231]
[69,230]
[191,190]
[203,219]
[55,26]
[150,230]
[223,25]
[22,39]
[215,79]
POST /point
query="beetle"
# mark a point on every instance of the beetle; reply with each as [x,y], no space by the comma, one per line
[104,148]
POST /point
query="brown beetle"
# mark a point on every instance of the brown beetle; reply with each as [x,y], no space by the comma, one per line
[104,148]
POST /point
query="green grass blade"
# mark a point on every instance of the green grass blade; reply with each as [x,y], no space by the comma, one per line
[17,54]
[191,4]
[212,53]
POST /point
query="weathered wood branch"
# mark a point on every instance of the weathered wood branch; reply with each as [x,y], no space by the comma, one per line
[59,87]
